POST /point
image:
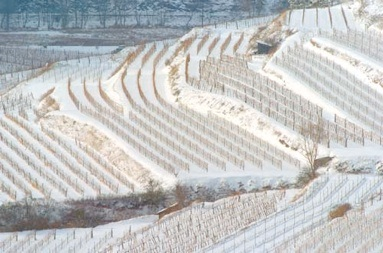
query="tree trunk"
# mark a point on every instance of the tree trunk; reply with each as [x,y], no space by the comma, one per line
[7,21]
[75,18]
[25,20]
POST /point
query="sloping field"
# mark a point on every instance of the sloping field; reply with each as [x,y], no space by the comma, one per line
[105,125]
[206,110]
[266,221]
[337,17]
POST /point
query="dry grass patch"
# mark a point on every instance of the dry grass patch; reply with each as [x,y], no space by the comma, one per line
[339,211]
[47,104]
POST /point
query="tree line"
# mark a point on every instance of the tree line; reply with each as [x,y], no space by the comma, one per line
[79,12]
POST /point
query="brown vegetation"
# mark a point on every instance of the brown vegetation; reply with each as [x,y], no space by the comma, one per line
[339,211]
[171,209]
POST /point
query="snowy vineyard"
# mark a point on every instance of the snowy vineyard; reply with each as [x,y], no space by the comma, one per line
[266,221]
[366,43]
[338,85]
[89,125]
[40,161]
[336,17]
[297,226]
[135,116]
[18,64]
[228,78]
[190,228]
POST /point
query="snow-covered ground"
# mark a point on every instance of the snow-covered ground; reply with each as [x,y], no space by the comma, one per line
[73,240]
[205,111]
[338,17]
[277,221]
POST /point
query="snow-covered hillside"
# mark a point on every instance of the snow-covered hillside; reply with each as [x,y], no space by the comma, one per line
[207,109]
[276,221]
[107,124]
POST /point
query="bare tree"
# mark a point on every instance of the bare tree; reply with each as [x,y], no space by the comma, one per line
[247,6]
[7,8]
[180,193]
[102,7]
[259,6]
[80,9]
[312,135]
[198,6]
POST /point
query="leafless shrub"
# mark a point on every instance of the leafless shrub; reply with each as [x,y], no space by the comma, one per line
[312,135]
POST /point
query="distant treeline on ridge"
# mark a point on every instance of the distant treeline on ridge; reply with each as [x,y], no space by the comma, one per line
[79,13]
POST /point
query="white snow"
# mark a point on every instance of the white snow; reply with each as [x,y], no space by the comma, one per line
[199,135]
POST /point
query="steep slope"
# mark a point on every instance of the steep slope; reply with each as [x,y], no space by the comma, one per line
[208,109]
